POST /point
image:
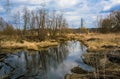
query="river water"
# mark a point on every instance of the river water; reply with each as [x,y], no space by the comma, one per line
[52,63]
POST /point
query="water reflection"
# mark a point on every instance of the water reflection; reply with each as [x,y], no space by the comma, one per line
[53,63]
[106,64]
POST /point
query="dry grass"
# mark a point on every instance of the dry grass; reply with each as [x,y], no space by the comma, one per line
[27,45]
[97,41]
[94,42]
[101,40]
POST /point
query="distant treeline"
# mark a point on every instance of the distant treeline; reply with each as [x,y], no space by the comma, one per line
[40,24]
[111,23]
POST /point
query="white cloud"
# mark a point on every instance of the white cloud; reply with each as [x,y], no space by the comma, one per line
[109,4]
[38,1]
[67,3]
[31,1]
[1,9]
[115,1]
[107,7]
[73,18]
[18,0]
[94,17]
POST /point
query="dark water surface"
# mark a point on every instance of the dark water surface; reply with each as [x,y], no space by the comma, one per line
[52,63]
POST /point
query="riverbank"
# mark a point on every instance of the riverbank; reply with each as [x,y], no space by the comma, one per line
[95,42]
[105,66]
[98,42]
[27,45]
[103,55]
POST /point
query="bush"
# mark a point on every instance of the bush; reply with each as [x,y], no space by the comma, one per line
[84,30]
[9,30]
[106,25]
[19,41]
[110,23]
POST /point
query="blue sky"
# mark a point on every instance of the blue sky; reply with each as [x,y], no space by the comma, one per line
[73,10]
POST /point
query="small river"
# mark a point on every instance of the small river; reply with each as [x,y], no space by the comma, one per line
[52,63]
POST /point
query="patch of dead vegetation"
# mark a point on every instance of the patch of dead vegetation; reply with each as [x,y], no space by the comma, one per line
[96,41]
[27,45]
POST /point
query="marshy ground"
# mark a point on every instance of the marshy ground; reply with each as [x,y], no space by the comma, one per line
[93,41]
[98,41]
[103,54]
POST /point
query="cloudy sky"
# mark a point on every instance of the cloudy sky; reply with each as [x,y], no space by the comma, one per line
[73,10]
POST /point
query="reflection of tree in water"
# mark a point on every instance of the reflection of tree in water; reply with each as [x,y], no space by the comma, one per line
[53,57]
[82,47]
[25,65]
[103,67]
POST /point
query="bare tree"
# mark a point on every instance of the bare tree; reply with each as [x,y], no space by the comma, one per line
[32,22]
[47,24]
[41,24]
[16,19]
[111,23]
[115,17]
[26,19]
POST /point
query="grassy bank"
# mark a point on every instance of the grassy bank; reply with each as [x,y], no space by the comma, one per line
[105,60]
[93,41]
[27,45]
[97,41]
[11,43]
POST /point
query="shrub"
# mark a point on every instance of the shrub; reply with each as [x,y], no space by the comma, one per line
[110,23]
[84,30]
[9,30]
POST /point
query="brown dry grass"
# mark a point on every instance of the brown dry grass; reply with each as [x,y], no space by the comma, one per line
[103,40]
[96,41]
[27,45]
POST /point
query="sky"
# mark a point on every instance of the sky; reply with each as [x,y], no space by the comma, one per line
[74,10]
